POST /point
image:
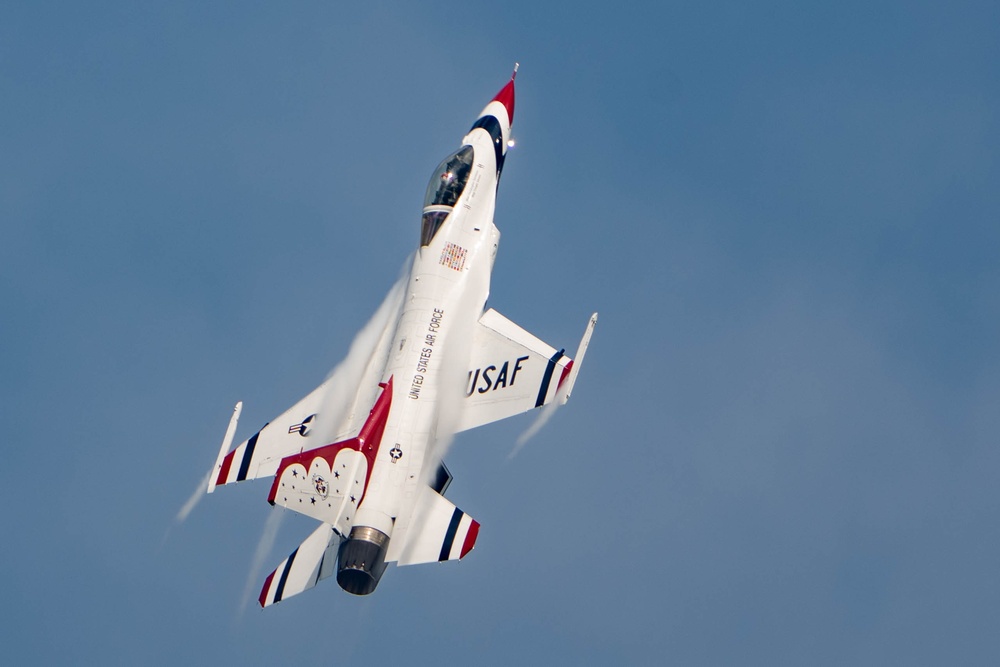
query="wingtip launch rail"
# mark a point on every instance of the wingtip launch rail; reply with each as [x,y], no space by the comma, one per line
[226,443]
[577,362]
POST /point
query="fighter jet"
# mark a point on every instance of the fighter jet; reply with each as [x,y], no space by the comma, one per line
[366,462]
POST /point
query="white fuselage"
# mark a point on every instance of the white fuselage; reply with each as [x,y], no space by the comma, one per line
[446,293]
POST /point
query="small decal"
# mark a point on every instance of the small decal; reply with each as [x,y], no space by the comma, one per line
[453,256]
[302,427]
[321,488]
[395,453]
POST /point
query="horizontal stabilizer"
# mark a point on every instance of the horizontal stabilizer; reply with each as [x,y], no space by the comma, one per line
[313,561]
[439,531]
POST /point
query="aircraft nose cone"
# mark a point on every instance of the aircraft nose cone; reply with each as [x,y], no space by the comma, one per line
[506,97]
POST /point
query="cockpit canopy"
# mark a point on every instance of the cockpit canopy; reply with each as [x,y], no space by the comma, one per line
[445,187]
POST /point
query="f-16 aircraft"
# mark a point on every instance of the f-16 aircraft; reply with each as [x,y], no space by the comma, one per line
[365,460]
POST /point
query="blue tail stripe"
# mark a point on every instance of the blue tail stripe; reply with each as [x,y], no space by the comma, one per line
[449,537]
[284,577]
[547,378]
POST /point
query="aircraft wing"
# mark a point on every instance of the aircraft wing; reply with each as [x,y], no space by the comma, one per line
[289,433]
[513,371]
[314,560]
[331,412]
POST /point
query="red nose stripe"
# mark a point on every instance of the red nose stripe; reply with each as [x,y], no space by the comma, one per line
[506,98]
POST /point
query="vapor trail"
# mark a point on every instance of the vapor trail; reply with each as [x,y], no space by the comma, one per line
[359,372]
[198,494]
[541,420]
[263,550]
[187,508]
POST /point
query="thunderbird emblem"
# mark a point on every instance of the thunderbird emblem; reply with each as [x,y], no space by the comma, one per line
[321,488]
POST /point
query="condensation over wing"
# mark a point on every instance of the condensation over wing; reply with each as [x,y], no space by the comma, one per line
[333,411]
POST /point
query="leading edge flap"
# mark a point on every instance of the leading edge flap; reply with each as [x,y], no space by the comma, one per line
[439,532]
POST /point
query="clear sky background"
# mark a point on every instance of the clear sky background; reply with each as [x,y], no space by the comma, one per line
[783,446]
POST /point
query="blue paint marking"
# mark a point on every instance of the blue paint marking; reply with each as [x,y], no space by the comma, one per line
[547,378]
[449,537]
[284,577]
[247,455]
[492,125]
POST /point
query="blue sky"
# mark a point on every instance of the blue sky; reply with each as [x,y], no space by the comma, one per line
[782,448]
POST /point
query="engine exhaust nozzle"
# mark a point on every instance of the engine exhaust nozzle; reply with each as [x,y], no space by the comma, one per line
[361,560]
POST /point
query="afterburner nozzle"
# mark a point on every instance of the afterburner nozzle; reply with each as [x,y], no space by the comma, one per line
[361,560]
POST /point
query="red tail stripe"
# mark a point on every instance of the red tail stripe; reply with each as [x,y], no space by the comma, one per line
[267,586]
[227,463]
[470,538]
[565,373]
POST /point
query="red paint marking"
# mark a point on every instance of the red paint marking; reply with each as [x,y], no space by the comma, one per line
[565,374]
[327,453]
[375,424]
[227,463]
[263,593]
[470,539]
[506,98]
[367,442]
